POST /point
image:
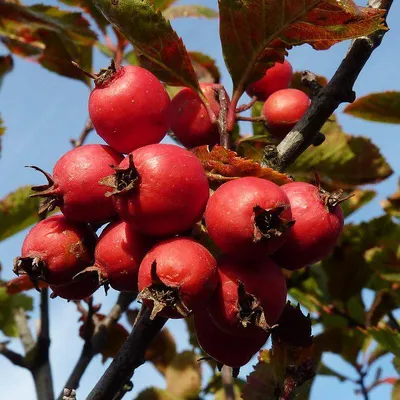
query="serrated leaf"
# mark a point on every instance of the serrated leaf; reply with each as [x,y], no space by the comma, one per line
[155,394]
[162,51]
[8,303]
[183,376]
[191,10]
[17,212]
[392,204]
[89,8]
[296,82]
[205,67]
[6,65]
[255,34]
[222,165]
[388,338]
[378,107]
[359,199]
[343,160]
[21,284]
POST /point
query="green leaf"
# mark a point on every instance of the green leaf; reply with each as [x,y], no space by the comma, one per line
[8,303]
[162,4]
[259,128]
[17,212]
[163,52]
[155,394]
[378,107]
[360,198]
[396,391]
[89,7]
[325,370]
[132,58]
[205,67]
[388,338]
[6,65]
[183,376]
[255,34]
[190,11]
[392,204]
[396,364]
[383,303]
[343,160]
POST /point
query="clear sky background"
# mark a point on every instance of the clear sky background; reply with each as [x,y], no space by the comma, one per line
[42,111]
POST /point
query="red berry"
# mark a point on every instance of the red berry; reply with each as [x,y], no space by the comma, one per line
[230,350]
[189,118]
[276,78]
[74,186]
[248,217]
[319,223]
[176,277]
[161,189]
[249,297]
[83,287]
[284,109]
[118,255]
[129,108]
[55,250]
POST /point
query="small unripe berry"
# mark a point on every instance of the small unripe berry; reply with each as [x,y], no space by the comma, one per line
[284,109]
[276,78]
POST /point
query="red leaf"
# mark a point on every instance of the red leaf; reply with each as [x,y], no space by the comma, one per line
[21,284]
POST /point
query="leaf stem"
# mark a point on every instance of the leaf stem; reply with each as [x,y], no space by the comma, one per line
[250,119]
[245,107]
[88,127]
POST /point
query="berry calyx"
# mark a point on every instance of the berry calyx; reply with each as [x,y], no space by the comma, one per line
[177,277]
[250,296]
[74,186]
[161,189]
[319,223]
[283,109]
[55,250]
[231,350]
[118,254]
[248,217]
[129,108]
[276,78]
[190,121]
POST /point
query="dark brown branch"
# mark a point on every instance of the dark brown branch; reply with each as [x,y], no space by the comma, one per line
[337,91]
[14,357]
[361,382]
[224,137]
[94,342]
[85,132]
[393,324]
[227,382]
[309,80]
[24,331]
[129,357]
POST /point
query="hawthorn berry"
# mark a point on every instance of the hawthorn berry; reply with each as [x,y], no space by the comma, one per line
[276,78]
[176,277]
[249,297]
[55,250]
[74,186]
[77,289]
[129,108]
[161,189]
[118,254]
[189,118]
[283,109]
[231,350]
[248,217]
[319,223]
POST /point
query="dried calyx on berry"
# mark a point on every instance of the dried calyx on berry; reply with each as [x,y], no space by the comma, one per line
[104,76]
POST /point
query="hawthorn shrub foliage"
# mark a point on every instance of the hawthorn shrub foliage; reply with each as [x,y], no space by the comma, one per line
[211,233]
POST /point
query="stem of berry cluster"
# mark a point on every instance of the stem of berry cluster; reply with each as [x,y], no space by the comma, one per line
[84,134]
[222,121]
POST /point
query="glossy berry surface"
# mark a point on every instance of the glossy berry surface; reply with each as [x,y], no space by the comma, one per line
[248,295]
[180,274]
[78,289]
[130,109]
[170,192]
[55,250]
[119,252]
[283,109]
[276,78]
[189,118]
[75,188]
[317,228]
[248,217]
[233,351]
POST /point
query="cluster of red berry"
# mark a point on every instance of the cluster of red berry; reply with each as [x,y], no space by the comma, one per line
[155,198]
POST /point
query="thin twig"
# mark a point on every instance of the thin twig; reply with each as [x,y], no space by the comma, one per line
[14,357]
[227,382]
[85,132]
[224,137]
[98,339]
[129,357]
[250,119]
[393,322]
[24,331]
[361,382]
[245,107]
[338,90]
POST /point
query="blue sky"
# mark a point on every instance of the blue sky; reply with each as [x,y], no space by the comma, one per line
[42,111]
